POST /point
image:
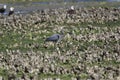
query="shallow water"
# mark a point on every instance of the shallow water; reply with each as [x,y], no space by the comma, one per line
[27,7]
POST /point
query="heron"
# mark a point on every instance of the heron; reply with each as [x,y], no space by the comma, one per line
[11,11]
[55,38]
[3,9]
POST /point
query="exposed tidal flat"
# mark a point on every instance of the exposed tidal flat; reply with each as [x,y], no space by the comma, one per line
[90,49]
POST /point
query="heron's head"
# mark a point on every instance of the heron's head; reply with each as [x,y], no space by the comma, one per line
[72,7]
[5,6]
[11,8]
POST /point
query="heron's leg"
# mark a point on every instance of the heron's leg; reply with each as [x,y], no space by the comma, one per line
[55,45]
[57,48]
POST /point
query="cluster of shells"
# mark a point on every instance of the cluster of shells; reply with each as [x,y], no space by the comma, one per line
[86,53]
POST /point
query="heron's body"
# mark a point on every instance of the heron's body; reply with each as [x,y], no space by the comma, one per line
[54,38]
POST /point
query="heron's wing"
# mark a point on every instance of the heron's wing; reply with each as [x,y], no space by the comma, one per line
[54,37]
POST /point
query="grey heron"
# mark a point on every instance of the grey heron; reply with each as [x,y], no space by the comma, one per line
[55,38]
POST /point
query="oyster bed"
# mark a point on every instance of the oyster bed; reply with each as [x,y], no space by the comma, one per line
[90,49]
